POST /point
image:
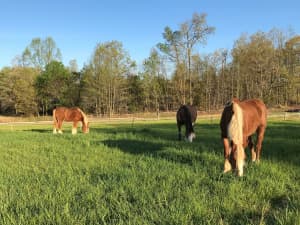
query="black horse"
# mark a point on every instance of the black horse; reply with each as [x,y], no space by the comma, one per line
[186,115]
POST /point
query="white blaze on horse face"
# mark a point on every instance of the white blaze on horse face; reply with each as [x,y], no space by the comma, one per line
[191,137]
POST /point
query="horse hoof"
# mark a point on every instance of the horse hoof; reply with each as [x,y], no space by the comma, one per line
[226,171]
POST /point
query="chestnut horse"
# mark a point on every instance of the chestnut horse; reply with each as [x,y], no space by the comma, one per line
[241,119]
[74,114]
[186,115]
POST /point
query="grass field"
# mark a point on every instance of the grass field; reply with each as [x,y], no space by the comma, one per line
[140,174]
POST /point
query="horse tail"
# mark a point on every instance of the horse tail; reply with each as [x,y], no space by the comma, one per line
[235,133]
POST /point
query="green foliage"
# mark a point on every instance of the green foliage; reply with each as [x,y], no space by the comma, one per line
[104,79]
[136,94]
[40,53]
[53,85]
[17,93]
[262,65]
[180,45]
[140,174]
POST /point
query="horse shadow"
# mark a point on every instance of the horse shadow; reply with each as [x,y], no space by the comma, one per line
[148,131]
[40,131]
[160,151]
[281,147]
[205,133]
[134,146]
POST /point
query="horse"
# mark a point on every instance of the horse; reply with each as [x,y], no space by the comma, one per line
[74,114]
[239,121]
[186,115]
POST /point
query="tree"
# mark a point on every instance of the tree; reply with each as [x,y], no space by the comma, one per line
[53,86]
[194,32]
[104,78]
[180,45]
[136,94]
[73,66]
[17,91]
[151,76]
[40,53]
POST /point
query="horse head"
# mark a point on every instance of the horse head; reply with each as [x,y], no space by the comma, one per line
[190,137]
[237,158]
[85,127]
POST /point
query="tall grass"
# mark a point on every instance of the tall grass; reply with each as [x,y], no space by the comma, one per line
[138,173]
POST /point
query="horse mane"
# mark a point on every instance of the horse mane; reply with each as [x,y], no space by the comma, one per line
[235,127]
[235,132]
[85,119]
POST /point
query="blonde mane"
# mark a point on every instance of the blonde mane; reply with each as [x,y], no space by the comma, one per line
[235,127]
[85,119]
[235,133]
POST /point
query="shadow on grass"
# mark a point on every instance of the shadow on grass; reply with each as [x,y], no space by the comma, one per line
[205,133]
[278,204]
[161,131]
[282,143]
[179,154]
[41,130]
[134,146]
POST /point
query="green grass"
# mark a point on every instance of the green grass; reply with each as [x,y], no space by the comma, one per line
[140,174]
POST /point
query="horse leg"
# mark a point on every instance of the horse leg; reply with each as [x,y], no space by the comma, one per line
[74,128]
[260,137]
[59,127]
[179,132]
[251,147]
[55,126]
[227,151]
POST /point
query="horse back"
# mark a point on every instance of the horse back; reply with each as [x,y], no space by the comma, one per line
[255,115]
[186,113]
[68,114]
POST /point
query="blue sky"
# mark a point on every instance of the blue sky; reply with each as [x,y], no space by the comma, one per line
[78,26]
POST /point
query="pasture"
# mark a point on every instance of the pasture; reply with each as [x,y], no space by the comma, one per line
[124,173]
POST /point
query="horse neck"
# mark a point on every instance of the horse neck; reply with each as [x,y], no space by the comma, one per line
[84,120]
[188,123]
[189,126]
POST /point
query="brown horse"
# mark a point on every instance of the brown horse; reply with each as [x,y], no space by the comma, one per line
[241,119]
[74,114]
[186,115]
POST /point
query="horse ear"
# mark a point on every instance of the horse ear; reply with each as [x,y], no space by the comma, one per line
[235,100]
[229,103]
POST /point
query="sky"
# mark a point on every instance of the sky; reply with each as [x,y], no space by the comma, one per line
[78,26]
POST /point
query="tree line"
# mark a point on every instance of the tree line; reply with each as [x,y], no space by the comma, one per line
[262,65]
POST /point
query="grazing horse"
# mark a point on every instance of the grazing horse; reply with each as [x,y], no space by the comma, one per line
[241,119]
[69,114]
[186,115]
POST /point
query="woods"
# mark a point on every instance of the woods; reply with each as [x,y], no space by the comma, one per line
[263,65]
